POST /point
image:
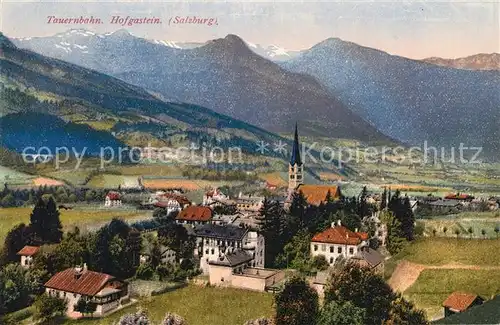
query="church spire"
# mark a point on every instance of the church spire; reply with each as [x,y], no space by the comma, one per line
[295,159]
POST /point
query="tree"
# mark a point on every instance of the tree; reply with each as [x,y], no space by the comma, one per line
[85,306]
[270,221]
[320,263]
[497,230]
[16,286]
[8,200]
[16,239]
[48,308]
[470,231]
[403,312]
[383,201]
[296,253]
[457,232]
[53,224]
[434,231]
[483,232]
[335,313]
[297,303]
[395,237]
[38,220]
[364,289]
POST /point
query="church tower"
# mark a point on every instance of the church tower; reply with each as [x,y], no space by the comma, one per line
[295,167]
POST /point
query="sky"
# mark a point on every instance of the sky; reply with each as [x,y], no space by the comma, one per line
[414,29]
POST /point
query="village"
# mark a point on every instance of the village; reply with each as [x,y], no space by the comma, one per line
[247,242]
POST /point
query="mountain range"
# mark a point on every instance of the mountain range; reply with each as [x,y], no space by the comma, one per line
[333,89]
[407,99]
[37,85]
[481,61]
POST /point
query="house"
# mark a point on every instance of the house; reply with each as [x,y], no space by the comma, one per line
[338,241]
[214,197]
[113,199]
[74,283]
[194,215]
[368,257]
[213,241]
[172,202]
[486,313]
[27,254]
[248,203]
[459,302]
[166,255]
[232,269]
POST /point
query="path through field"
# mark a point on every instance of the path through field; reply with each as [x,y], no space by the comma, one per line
[407,273]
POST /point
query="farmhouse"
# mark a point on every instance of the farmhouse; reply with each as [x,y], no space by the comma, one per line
[27,254]
[214,197]
[194,215]
[486,313]
[338,242]
[213,241]
[113,199]
[172,202]
[459,302]
[79,282]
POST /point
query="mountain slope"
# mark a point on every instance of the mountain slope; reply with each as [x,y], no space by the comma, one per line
[409,100]
[226,76]
[480,61]
[46,85]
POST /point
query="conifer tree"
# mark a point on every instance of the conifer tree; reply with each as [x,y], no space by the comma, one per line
[38,220]
[53,225]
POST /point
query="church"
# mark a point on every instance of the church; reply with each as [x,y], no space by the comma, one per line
[314,194]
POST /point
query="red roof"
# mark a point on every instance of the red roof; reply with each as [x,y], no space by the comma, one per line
[113,196]
[195,213]
[340,235]
[28,250]
[458,196]
[89,283]
[459,301]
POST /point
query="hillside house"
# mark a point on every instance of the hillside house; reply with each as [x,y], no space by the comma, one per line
[459,302]
[194,215]
[113,199]
[213,241]
[338,241]
[486,313]
[27,254]
[172,202]
[79,282]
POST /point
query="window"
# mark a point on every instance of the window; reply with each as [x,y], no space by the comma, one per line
[331,260]
[292,176]
[323,248]
[206,251]
[339,250]
[351,250]
[315,247]
[213,251]
[331,249]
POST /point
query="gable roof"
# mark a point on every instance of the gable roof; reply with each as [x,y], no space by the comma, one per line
[28,250]
[486,313]
[340,235]
[316,194]
[195,213]
[226,232]
[165,197]
[459,301]
[112,195]
[88,283]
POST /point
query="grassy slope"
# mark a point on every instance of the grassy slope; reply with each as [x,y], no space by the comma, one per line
[433,286]
[200,306]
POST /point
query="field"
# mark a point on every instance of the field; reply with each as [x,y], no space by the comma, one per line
[434,286]
[85,218]
[478,221]
[200,306]
[274,179]
[441,251]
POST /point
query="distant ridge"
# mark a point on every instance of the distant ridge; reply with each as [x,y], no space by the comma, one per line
[481,61]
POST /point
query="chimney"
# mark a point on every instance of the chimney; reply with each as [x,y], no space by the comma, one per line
[85,267]
[78,272]
[355,229]
[333,224]
[339,223]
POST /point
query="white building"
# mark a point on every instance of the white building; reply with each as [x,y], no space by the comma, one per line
[338,241]
[74,283]
[27,254]
[214,241]
[167,255]
[113,199]
[214,197]
[172,202]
